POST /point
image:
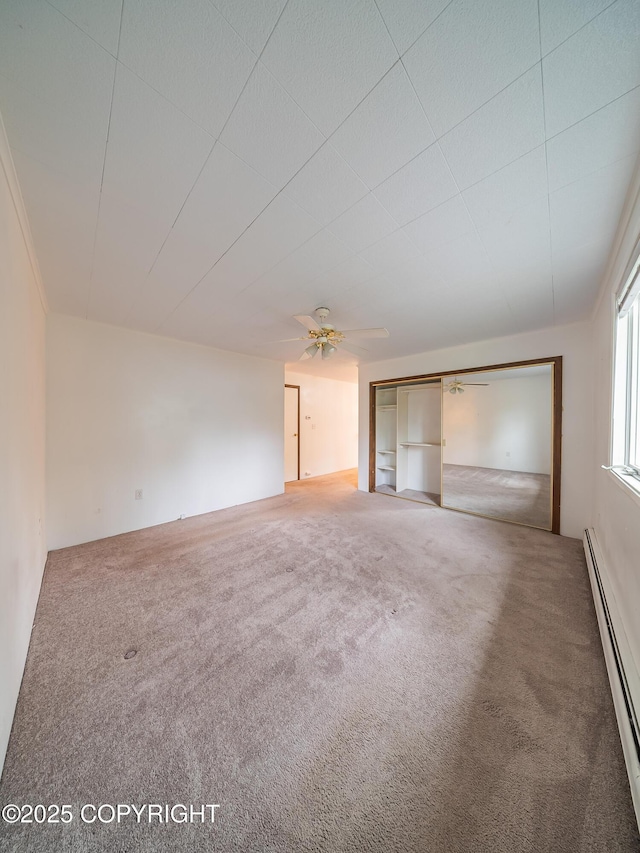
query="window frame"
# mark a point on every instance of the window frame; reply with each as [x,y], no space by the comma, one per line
[625,450]
[632,450]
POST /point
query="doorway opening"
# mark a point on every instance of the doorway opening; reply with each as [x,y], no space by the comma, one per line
[291,433]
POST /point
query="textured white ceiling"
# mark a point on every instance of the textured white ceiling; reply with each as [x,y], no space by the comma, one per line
[205,169]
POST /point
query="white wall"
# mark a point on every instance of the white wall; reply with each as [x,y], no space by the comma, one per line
[328,424]
[616,508]
[196,429]
[574,344]
[506,425]
[22,440]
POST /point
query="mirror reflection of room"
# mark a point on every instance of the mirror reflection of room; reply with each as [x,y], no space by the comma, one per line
[497,448]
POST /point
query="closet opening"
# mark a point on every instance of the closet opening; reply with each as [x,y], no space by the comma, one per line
[408,438]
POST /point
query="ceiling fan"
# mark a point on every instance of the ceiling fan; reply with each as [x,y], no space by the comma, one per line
[326,338]
[456,386]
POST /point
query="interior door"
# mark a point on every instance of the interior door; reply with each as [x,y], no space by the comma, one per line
[291,433]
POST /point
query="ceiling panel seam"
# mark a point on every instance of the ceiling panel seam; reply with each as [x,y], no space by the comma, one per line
[417,38]
[525,154]
[477,230]
[204,165]
[228,249]
[104,161]
[453,178]
[326,139]
[424,112]
[575,32]
[124,64]
[546,167]
[83,32]
[244,41]
[217,261]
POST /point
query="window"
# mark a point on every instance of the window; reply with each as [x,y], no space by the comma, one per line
[626,411]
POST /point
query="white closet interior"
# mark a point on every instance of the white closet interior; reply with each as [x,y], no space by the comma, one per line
[408,441]
[386,437]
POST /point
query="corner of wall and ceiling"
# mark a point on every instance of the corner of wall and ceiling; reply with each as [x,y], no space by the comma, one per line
[9,170]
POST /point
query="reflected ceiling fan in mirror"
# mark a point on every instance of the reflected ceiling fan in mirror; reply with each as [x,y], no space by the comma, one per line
[326,339]
[456,386]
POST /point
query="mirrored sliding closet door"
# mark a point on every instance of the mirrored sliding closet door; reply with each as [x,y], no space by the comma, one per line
[497,453]
[485,440]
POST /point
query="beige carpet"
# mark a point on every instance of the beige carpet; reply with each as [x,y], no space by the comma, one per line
[510,495]
[339,671]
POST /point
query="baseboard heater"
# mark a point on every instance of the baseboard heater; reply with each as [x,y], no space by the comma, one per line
[623,673]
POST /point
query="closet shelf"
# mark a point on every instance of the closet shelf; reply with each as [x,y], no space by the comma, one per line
[387,451]
[385,408]
[386,468]
[420,444]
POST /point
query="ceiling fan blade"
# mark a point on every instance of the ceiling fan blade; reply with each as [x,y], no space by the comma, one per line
[475,383]
[288,340]
[353,348]
[307,321]
[366,333]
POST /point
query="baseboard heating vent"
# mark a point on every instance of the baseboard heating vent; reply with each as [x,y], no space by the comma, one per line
[623,674]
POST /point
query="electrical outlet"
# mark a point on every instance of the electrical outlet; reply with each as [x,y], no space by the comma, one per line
[138,494]
[508,453]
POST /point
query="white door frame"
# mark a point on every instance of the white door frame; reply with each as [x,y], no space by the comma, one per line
[297,387]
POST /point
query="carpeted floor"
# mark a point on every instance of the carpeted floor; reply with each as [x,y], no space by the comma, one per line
[340,672]
[510,495]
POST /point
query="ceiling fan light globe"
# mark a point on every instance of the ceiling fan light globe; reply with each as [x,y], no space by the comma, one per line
[328,350]
[312,350]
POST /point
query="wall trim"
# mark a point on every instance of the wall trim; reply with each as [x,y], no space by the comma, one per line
[623,674]
[9,169]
